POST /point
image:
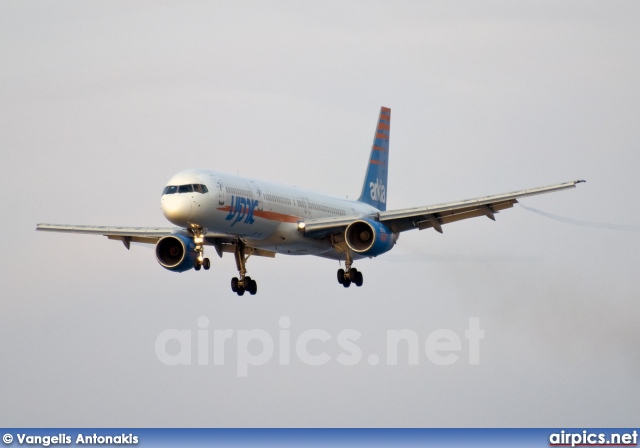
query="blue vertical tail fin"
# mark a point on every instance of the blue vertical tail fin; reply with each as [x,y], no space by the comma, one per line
[374,189]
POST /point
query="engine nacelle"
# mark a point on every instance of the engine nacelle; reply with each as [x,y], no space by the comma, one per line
[369,237]
[176,253]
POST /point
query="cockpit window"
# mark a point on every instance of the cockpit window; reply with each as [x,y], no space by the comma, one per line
[198,188]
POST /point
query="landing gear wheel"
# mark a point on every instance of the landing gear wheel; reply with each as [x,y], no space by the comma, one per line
[341,276]
[359,279]
[234,284]
[353,274]
[206,264]
[244,283]
[197,265]
[250,285]
[346,283]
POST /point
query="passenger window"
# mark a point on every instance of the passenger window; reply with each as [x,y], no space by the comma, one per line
[185,189]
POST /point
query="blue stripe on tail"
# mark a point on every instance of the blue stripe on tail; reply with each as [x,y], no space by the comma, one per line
[374,189]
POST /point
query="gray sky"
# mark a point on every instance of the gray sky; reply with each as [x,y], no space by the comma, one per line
[101,102]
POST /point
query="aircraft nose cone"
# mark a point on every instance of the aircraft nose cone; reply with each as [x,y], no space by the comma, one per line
[176,208]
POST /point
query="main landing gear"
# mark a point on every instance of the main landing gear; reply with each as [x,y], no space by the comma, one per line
[349,275]
[244,283]
[238,285]
[198,238]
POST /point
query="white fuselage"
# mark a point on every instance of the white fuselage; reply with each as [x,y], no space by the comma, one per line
[264,214]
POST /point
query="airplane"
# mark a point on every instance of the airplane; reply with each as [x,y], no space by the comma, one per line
[248,217]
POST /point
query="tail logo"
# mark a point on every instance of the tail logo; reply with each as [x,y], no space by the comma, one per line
[378,192]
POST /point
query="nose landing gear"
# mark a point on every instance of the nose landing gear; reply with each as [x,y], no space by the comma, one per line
[205,263]
[198,238]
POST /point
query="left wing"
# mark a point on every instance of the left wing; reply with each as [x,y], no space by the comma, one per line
[434,215]
[437,215]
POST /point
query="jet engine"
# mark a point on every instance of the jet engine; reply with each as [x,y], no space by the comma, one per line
[176,253]
[368,237]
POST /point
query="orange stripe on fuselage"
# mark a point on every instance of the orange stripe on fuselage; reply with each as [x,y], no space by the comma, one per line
[273,216]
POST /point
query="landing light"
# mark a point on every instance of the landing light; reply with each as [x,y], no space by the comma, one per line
[300,226]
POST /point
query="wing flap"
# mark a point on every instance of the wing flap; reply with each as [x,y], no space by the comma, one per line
[127,240]
[449,217]
[228,245]
[321,227]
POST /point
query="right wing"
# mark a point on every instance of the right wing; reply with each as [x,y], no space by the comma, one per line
[150,235]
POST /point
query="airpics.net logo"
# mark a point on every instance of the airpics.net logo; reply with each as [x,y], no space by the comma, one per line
[592,438]
[257,347]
